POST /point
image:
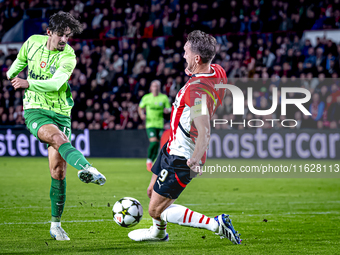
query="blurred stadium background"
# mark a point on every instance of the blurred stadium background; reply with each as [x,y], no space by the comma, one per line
[127,44]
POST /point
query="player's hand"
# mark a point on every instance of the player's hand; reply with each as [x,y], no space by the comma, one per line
[143,116]
[149,191]
[152,183]
[18,83]
[194,165]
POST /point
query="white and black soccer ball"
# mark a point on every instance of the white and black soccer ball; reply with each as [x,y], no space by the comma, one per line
[127,212]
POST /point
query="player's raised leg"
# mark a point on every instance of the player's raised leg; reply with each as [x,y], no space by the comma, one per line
[54,137]
[57,193]
[221,224]
[162,210]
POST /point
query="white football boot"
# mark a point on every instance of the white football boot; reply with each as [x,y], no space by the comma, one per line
[59,234]
[91,174]
[147,234]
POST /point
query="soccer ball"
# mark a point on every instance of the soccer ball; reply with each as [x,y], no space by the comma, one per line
[127,212]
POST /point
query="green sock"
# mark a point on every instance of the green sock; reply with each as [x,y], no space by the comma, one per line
[72,156]
[154,153]
[58,198]
[150,150]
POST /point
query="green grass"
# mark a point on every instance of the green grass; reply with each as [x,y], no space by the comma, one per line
[274,216]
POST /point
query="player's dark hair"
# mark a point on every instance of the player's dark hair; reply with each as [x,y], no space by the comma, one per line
[60,21]
[203,45]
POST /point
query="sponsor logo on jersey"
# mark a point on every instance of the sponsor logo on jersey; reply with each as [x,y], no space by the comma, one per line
[37,77]
[34,125]
[43,64]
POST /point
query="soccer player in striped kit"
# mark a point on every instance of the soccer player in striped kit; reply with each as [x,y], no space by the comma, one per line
[185,152]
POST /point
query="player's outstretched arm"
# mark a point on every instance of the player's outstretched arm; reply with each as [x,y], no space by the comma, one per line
[16,67]
[19,63]
[202,124]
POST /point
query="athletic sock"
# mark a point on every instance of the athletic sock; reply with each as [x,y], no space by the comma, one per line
[155,151]
[150,151]
[159,228]
[72,156]
[183,216]
[55,224]
[58,198]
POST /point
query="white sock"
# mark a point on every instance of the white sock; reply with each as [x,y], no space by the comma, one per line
[55,224]
[183,216]
[159,227]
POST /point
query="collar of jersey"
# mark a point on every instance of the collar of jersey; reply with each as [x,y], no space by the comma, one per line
[204,74]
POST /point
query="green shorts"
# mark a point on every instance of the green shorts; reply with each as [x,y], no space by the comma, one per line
[36,118]
[155,132]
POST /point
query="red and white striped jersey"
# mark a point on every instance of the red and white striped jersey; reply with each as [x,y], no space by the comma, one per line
[183,133]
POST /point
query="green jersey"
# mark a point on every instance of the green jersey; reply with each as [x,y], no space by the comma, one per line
[48,73]
[154,109]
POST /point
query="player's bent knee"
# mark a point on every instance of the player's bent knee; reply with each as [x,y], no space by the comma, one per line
[59,139]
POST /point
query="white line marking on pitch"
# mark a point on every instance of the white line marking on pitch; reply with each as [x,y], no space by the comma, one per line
[66,221]
[149,219]
[48,207]
[75,206]
[48,222]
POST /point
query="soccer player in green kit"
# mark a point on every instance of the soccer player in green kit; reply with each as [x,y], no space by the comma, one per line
[47,106]
[156,104]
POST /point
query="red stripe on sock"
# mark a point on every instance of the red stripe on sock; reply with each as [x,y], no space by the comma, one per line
[179,181]
[190,216]
[185,215]
[207,221]
[201,219]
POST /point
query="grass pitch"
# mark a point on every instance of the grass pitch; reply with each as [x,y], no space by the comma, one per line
[274,216]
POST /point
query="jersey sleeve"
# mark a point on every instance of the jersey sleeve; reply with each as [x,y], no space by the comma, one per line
[19,63]
[166,102]
[200,99]
[142,103]
[67,64]
[50,85]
